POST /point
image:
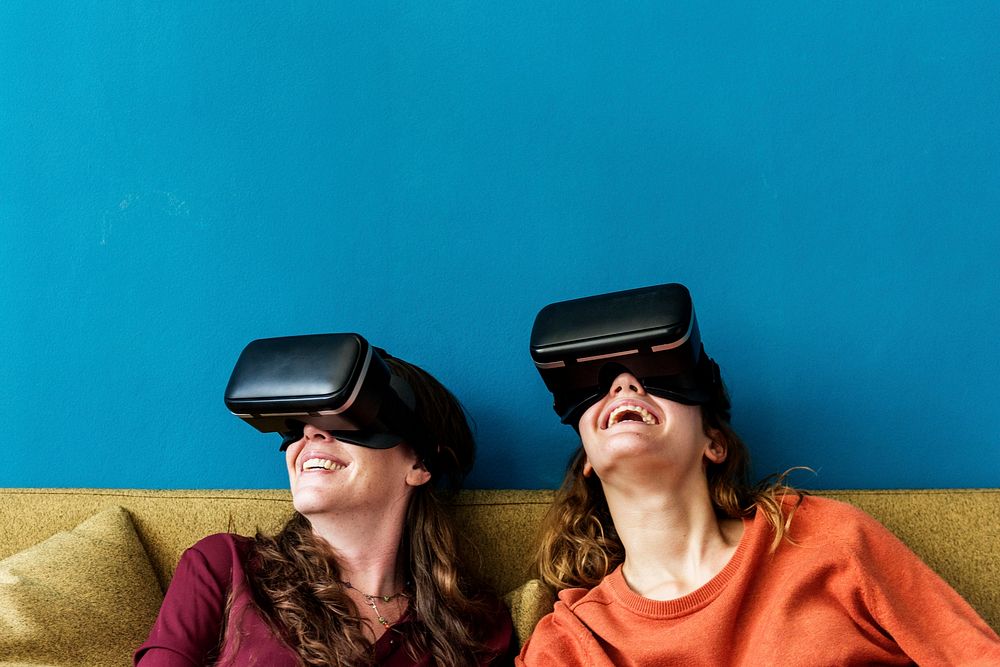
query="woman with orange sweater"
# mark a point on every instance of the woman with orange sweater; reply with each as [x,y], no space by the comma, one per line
[662,551]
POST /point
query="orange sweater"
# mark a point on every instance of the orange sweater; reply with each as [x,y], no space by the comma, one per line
[847,593]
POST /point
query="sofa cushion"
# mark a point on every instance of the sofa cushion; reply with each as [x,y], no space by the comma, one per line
[87,596]
[528,603]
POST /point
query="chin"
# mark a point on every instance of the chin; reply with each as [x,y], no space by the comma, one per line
[628,445]
[310,502]
[631,438]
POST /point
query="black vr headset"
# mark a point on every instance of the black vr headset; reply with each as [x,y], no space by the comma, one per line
[337,382]
[580,346]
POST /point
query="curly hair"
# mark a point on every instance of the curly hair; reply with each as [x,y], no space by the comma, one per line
[294,578]
[578,544]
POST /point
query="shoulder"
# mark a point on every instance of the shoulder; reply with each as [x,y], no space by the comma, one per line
[221,553]
[569,604]
[223,544]
[576,607]
[561,637]
[572,598]
[834,522]
[833,515]
[211,568]
[191,619]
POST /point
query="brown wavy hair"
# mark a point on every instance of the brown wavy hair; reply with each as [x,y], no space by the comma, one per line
[578,544]
[294,578]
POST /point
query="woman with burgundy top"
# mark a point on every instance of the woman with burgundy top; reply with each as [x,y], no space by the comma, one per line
[365,573]
[663,553]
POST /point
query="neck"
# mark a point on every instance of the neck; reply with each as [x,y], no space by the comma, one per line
[674,542]
[367,546]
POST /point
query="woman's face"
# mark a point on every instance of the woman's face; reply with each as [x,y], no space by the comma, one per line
[326,474]
[630,429]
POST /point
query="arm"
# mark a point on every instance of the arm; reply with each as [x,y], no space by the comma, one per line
[930,621]
[189,627]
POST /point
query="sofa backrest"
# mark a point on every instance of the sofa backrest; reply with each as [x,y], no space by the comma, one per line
[957,532]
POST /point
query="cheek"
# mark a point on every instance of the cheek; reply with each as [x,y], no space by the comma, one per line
[588,428]
[590,449]
[689,417]
[291,454]
[588,420]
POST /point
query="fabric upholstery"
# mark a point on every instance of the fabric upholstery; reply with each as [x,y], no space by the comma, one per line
[82,597]
[528,603]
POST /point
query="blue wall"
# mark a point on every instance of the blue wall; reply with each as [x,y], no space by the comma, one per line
[177,180]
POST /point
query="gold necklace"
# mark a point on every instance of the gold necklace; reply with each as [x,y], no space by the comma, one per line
[370,599]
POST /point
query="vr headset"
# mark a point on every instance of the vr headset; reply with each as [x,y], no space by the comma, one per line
[580,346]
[337,382]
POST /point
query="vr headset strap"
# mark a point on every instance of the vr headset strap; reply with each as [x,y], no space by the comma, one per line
[398,414]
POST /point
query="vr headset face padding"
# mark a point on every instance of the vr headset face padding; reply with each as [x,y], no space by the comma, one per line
[580,346]
[337,382]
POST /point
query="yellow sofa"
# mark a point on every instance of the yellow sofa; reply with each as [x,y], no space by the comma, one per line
[81,579]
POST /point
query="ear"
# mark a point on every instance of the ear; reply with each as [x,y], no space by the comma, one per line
[418,475]
[588,469]
[715,451]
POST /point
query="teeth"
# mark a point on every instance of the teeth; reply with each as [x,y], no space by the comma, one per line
[325,464]
[620,411]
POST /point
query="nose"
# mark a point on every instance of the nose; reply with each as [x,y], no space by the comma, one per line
[626,382]
[313,433]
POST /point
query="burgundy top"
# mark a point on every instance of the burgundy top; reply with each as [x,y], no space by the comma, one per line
[188,630]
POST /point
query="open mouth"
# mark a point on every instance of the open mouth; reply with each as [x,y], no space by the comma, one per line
[631,412]
[317,463]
